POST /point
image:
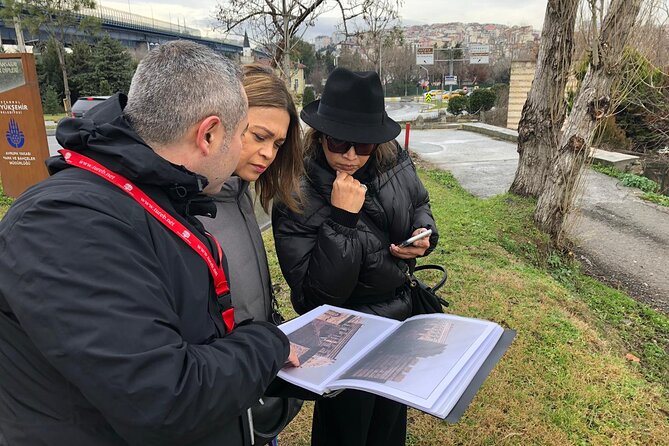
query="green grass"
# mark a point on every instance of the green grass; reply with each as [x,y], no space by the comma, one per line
[437,104]
[5,201]
[656,198]
[55,117]
[607,170]
[648,186]
[565,379]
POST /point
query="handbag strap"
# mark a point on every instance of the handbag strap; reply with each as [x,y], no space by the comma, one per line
[444,275]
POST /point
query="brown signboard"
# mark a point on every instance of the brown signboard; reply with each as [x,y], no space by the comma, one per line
[23,143]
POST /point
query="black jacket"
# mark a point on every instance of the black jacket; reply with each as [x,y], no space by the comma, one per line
[108,332]
[329,256]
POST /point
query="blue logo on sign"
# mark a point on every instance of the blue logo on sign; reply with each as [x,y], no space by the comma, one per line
[15,136]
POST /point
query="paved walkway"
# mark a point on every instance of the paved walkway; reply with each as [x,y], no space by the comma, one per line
[621,238]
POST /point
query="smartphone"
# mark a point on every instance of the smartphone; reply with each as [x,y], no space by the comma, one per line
[410,240]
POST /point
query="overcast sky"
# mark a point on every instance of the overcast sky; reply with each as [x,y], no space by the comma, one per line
[199,13]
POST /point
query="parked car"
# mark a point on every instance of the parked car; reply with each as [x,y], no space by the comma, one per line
[85,103]
[435,94]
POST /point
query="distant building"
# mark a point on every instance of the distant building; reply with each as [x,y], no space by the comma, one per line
[322,42]
[247,52]
[297,79]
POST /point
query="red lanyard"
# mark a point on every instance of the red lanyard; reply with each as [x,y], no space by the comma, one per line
[216,270]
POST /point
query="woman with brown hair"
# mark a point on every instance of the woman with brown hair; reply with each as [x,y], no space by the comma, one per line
[361,197]
[271,157]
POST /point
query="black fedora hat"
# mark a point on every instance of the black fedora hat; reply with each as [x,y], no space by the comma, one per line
[352,108]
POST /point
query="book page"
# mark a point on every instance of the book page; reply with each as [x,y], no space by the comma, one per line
[328,340]
[417,362]
[460,382]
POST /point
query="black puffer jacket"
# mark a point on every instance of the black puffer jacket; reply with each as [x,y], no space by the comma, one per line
[107,332]
[340,261]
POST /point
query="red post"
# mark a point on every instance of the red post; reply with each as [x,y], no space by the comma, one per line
[406,137]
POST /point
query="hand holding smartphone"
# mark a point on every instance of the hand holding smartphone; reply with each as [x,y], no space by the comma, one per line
[410,240]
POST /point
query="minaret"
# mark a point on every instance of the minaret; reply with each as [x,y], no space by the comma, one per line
[247,52]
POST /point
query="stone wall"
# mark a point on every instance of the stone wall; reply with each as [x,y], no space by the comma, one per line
[522,74]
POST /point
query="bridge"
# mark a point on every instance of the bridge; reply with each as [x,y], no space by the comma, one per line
[136,32]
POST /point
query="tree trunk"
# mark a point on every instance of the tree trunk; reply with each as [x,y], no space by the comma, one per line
[591,105]
[544,110]
[60,50]
[286,47]
[20,42]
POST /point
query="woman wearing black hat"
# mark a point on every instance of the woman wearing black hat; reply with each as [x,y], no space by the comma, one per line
[361,197]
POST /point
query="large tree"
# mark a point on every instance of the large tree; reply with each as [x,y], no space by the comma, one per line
[278,24]
[348,58]
[545,107]
[113,67]
[378,30]
[304,53]
[591,106]
[400,69]
[55,18]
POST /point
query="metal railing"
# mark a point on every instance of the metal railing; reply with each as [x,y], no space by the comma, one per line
[117,17]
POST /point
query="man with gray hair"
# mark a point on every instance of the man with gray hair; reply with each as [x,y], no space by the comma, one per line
[115,319]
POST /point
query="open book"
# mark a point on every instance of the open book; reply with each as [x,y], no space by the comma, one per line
[426,362]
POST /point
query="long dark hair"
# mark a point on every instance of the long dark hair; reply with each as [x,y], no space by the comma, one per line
[281,179]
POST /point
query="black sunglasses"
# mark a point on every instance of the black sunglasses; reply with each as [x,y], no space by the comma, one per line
[338,146]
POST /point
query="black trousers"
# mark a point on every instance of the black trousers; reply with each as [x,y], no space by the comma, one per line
[355,418]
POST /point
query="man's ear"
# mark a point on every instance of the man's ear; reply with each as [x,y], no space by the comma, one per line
[209,134]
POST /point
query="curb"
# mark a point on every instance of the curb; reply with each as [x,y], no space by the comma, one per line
[488,130]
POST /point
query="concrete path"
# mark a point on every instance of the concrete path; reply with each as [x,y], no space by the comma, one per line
[621,239]
[624,239]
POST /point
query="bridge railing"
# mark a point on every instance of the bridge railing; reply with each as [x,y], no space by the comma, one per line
[127,19]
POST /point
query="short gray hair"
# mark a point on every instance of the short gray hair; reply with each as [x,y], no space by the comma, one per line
[178,84]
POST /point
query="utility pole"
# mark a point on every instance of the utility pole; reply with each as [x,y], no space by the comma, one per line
[451,59]
[427,72]
[450,73]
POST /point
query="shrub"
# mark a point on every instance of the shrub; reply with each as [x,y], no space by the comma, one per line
[481,99]
[308,96]
[4,199]
[457,104]
[501,95]
[607,170]
[643,183]
[656,198]
[50,102]
[629,179]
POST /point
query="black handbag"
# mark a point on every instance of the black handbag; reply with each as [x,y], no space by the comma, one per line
[424,299]
[272,414]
